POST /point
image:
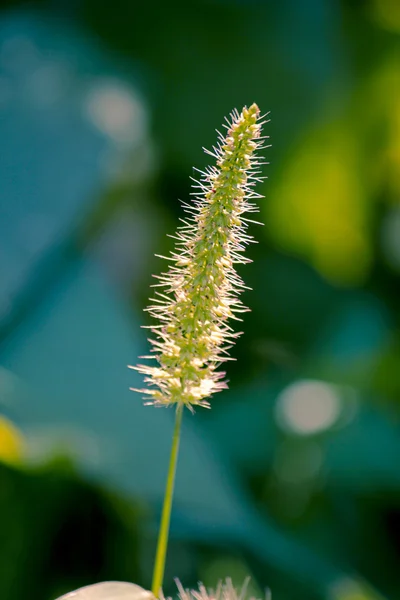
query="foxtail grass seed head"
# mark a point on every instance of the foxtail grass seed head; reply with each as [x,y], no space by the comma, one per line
[224,591]
[201,287]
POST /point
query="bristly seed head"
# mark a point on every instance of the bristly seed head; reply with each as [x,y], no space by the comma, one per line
[202,286]
[225,591]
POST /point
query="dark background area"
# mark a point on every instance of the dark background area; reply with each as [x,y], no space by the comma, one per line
[293,477]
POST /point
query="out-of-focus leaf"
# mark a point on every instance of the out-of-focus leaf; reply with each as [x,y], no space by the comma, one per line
[71,121]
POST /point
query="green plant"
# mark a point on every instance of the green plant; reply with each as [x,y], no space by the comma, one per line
[201,288]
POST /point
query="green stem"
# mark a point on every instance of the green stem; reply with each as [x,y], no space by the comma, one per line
[162,543]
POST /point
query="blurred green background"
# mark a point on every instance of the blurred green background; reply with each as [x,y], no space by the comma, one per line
[293,477]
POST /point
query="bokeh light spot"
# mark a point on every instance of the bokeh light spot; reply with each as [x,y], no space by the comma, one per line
[308,406]
[116,111]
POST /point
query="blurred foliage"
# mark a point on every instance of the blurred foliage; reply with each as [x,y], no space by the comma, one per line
[60,531]
[294,476]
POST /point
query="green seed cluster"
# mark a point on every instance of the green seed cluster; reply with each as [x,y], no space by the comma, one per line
[201,287]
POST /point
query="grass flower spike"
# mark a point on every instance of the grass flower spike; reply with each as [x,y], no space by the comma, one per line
[200,294]
[201,287]
[224,591]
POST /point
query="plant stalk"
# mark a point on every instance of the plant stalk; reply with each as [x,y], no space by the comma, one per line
[162,543]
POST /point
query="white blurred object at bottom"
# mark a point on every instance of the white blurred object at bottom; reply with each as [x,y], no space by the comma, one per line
[109,590]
